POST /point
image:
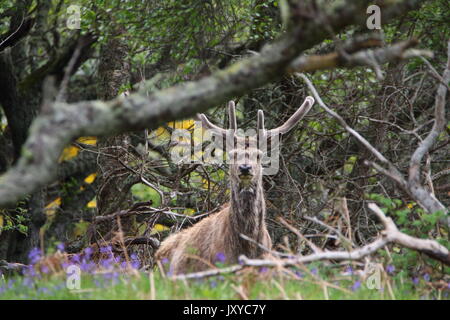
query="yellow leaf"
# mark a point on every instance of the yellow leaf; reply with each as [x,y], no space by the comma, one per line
[90,178]
[55,203]
[92,204]
[189,211]
[69,153]
[1,223]
[159,136]
[88,140]
[205,184]
[183,124]
[159,227]
[50,209]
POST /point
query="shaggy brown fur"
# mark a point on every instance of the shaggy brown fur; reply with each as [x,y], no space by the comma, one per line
[197,247]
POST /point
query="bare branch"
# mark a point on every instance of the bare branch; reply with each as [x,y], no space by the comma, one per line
[412,186]
[369,57]
[415,187]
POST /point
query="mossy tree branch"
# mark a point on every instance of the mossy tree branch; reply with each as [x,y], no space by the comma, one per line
[60,123]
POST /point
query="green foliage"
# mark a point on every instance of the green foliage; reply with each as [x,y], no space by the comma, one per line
[17,220]
[412,220]
[145,193]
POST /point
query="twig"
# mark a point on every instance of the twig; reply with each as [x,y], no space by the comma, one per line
[280,254]
[298,234]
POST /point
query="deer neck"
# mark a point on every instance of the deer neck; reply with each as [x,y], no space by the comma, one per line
[247,214]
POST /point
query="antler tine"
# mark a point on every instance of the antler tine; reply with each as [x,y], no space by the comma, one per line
[260,123]
[295,118]
[232,115]
[261,131]
[209,125]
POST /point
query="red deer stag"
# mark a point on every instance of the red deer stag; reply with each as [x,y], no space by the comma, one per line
[218,237]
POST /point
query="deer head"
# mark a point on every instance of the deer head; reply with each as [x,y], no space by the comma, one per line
[245,153]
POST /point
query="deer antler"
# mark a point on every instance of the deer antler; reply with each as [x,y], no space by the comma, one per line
[216,129]
[232,115]
[294,119]
[288,125]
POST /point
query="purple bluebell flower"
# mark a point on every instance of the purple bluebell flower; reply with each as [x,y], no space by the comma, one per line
[28,282]
[220,257]
[45,269]
[134,256]
[170,272]
[165,261]
[117,259]
[87,252]
[299,274]
[213,284]
[263,269]
[112,276]
[106,249]
[426,277]
[75,258]
[34,255]
[348,270]
[415,280]
[135,264]
[356,285]
[390,269]
[87,266]
[108,275]
[61,247]
[314,271]
[106,263]
[29,271]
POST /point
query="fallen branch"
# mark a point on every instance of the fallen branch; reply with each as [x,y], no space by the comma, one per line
[390,235]
[8,267]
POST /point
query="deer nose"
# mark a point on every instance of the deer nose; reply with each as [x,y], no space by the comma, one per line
[245,168]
